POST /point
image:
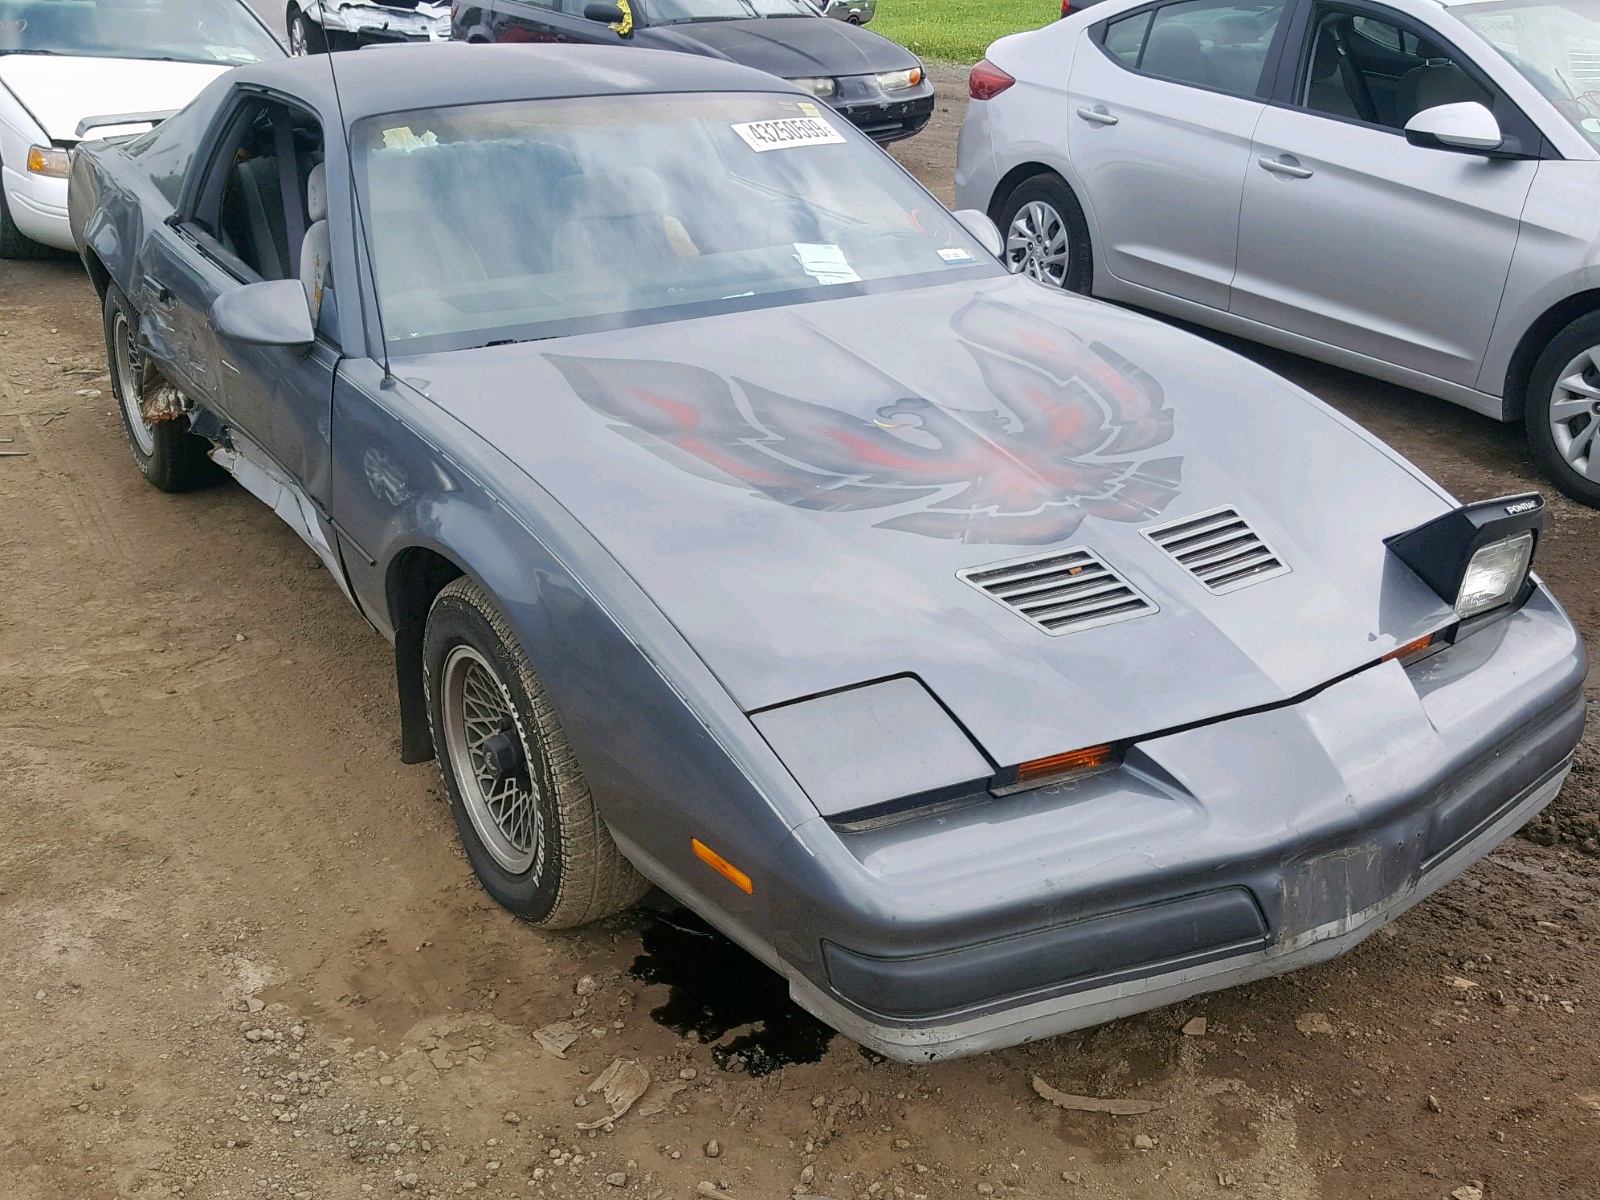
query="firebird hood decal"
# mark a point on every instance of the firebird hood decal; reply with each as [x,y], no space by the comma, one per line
[1063,439]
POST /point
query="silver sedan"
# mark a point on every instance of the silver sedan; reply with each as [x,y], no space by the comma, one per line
[1405,189]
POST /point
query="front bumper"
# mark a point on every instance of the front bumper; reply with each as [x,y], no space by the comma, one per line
[368,25]
[1230,852]
[38,205]
[883,116]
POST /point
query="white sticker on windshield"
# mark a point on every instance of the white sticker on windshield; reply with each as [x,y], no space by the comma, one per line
[824,263]
[954,254]
[785,132]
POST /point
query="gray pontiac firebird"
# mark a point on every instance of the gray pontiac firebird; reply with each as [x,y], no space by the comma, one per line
[987,660]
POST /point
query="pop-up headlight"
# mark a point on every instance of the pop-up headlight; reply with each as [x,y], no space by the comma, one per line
[1477,557]
[1494,575]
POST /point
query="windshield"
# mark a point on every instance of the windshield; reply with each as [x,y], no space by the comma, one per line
[536,219]
[1556,46]
[671,12]
[205,31]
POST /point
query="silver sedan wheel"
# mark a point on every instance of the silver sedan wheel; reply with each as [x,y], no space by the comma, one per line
[1037,243]
[130,371]
[1575,414]
[489,758]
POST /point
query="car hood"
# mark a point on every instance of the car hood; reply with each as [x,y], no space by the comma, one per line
[59,91]
[793,47]
[796,488]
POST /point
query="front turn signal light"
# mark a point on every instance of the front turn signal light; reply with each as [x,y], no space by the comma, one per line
[1057,768]
[49,162]
[1410,650]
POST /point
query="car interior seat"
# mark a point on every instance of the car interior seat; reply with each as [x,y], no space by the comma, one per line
[1433,84]
[1238,52]
[261,222]
[614,218]
[1174,51]
[315,248]
[1325,90]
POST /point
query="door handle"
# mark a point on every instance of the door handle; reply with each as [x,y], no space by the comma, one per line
[1097,115]
[1286,166]
[156,290]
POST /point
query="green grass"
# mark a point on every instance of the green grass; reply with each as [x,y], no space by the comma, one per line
[958,31]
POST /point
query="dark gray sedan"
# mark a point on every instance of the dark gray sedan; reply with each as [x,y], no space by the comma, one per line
[876,84]
[987,660]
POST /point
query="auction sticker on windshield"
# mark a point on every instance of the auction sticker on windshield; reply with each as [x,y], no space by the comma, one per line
[785,132]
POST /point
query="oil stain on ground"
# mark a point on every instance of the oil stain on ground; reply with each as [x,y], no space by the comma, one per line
[717,989]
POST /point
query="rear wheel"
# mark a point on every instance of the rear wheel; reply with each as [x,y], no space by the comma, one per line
[1046,235]
[522,806]
[305,36]
[168,455]
[1562,410]
[13,242]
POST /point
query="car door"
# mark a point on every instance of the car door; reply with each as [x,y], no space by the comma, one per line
[1350,235]
[246,221]
[1161,110]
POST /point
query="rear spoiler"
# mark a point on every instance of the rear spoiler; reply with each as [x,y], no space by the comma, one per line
[138,118]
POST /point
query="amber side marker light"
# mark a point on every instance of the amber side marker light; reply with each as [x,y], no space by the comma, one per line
[721,865]
[1057,768]
[1410,649]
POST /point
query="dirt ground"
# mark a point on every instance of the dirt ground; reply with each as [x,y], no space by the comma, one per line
[241,955]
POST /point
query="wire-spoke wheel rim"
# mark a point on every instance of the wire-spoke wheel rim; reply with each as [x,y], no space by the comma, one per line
[489,759]
[1036,244]
[1575,414]
[129,365]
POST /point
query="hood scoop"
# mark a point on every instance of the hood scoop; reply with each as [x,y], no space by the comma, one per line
[1060,592]
[1219,549]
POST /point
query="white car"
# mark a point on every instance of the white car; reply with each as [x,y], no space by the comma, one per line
[1405,189]
[75,69]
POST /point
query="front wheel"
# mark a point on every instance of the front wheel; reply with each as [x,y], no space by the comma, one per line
[168,455]
[1046,235]
[305,37]
[1561,411]
[527,820]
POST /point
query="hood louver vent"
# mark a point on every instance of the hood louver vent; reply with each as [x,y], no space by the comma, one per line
[1219,549]
[1060,592]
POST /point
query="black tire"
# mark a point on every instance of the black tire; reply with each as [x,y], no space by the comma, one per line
[1566,442]
[574,872]
[1050,193]
[305,36]
[169,456]
[14,243]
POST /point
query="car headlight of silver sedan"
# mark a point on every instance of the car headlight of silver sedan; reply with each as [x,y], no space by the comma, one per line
[1477,557]
[899,81]
[820,87]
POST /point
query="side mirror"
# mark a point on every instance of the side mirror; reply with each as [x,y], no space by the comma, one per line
[1468,126]
[981,227]
[604,12]
[274,312]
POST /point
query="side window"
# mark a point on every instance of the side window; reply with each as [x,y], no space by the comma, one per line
[1125,38]
[265,206]
[1379,72]
[1217,44]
